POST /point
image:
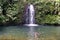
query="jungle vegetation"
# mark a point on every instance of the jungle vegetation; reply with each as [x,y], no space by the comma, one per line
[47,11]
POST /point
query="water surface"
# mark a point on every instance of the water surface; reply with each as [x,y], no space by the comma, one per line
[23,32]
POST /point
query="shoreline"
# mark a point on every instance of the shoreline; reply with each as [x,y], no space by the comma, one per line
[20,24]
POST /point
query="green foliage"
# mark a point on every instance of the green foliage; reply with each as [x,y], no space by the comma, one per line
[46,11]
[51,19]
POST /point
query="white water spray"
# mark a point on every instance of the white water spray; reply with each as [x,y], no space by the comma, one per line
[30,16]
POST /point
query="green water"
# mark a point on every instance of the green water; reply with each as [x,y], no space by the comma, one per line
[21,32]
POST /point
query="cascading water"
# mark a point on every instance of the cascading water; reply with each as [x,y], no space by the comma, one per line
[29,20]
[29,16]
[31,13]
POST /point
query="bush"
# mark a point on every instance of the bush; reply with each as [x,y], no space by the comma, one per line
[46,11]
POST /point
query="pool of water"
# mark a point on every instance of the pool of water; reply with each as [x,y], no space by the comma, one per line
[24,33]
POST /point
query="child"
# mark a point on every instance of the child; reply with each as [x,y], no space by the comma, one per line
[36,35]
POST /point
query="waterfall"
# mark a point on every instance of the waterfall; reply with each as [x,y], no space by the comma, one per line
[29,16]
[29,20]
